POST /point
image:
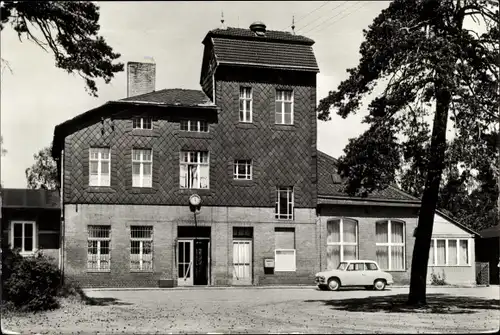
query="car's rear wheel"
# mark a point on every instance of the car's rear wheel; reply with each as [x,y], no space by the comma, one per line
[379,284]
[333,284]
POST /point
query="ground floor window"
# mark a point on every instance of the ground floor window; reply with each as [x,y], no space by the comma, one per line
[23,237]
[141,248]
[98,255]
[390,244]
[449,252]
[342,241]
[285,254]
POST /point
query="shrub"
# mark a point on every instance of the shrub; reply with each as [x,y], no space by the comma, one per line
[29,283]
[437,279]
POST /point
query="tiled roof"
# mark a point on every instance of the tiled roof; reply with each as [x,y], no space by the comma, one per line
[175,96]
[329,184]
[265,53]
[28,198]
[271,35]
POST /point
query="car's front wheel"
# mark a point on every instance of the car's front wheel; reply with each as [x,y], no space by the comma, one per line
[379,284]
[333,284]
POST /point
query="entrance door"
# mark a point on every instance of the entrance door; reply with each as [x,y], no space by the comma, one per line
[185,262]
[201,260]
[242,262]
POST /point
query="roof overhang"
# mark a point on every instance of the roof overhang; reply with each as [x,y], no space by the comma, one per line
[337,200]
[271,66]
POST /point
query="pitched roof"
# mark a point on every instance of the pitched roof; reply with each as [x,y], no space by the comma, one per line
[271,35]
[174,97]
[330,186]
[28,198]
[277,49]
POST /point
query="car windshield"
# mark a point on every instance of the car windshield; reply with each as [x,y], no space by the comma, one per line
[342,266]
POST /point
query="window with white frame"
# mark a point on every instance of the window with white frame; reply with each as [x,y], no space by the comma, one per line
[284,203]
[141,248]
[341,241]
[246,104]
[142,122]
[243,169]
[390,245]
[98,255]
[449,252]
[194,169]
[142,167]
[284,107]
[100,166]
[23,237]
[199,126]
[284,253]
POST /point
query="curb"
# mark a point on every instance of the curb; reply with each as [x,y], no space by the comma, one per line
[267,287]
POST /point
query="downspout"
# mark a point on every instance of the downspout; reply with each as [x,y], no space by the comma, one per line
[61,201]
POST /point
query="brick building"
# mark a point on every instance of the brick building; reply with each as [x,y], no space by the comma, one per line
[272,211]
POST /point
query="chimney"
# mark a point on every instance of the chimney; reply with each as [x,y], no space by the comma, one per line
[141,77]
[259,28]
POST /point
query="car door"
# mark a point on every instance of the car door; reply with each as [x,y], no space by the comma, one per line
[371,271]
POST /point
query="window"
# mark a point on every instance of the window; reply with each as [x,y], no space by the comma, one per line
[245,104]
[23,237]
[142,163]
[390,245]
[98,257]
[284,203]
[449,252]
[371,266]
[100,166]
[194,125]
[194,169]
[284,242]
[284,107]
[142,123]
[356,267]
[342,241]
[141,248]
[243,169]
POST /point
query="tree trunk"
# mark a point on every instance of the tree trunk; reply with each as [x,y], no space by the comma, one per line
[429,200]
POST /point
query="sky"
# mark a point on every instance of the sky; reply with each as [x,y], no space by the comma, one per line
[36,96]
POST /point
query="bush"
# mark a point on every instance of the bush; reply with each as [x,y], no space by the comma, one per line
[29,283]
[437,279]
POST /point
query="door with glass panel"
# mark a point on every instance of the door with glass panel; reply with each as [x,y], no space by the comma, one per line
[185,262]
[242,262]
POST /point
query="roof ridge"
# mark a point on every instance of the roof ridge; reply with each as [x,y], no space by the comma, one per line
[327,155]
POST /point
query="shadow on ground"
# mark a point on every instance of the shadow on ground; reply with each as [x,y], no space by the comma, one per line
[104,301]
[436,303]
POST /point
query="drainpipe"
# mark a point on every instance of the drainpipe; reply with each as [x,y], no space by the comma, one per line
[61,239]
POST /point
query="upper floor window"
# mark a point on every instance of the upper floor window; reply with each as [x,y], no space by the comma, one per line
[245,104]
[390,245]
[284,107]
[243,169]
[142,162]
[284,203]
[194,169]
[23,237]
[194,125]
[100,166]
[142,123]
[342,241]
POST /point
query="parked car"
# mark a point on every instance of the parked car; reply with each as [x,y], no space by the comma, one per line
[354,273]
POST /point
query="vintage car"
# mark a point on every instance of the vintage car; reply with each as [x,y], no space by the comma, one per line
[354,273]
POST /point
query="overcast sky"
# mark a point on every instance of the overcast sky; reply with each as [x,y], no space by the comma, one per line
[37,96]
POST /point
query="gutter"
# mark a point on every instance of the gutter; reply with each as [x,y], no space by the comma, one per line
[62,232]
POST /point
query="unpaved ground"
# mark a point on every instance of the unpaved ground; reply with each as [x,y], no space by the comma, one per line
[257,310]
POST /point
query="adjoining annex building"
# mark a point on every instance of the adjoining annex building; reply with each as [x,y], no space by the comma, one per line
[272,210]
